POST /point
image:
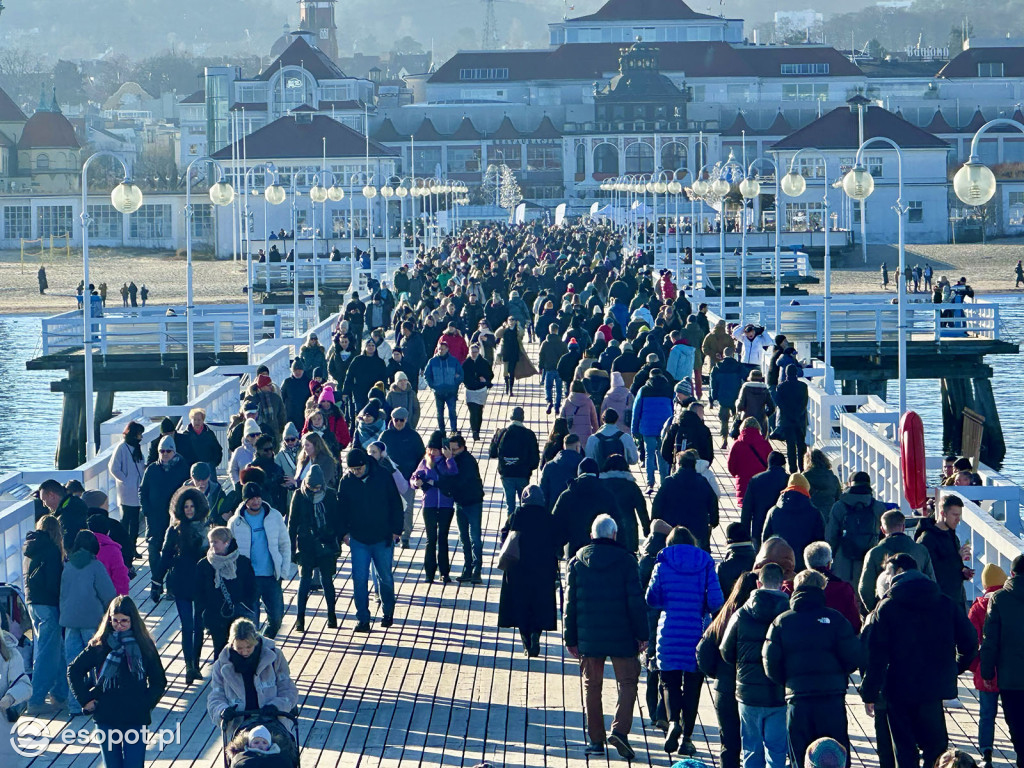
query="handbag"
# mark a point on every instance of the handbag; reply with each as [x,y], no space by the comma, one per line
[509,555]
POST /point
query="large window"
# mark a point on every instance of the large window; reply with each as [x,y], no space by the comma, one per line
[42,162]
[817,68]
[803,217]
[56,220]
[544,157]
[202,221]
[810,167]
[915,212]
[427,160]
[990,69]
[509,154]
[484,73]
[606,159]
[105,222]
[639,158]
[581,160]
[1015,202]
[737,93]
[151,222]
[463,159]
[673,156]
[804,92]
[18,221]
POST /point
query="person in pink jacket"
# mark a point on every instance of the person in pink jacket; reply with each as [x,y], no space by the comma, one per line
[110,553]
[580,413]
[748,455]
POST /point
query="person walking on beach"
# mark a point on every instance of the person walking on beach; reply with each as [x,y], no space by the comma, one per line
[133,293]
[885,276]
[124,295]
[928,273]
[144,294]
[43,285]
[1018,271]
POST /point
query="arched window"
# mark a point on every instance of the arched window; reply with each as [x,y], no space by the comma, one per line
[42,162]
[673,156]
[606,159]
[581,160]
[639,158]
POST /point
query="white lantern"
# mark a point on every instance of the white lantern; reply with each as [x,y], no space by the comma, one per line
[720,187]
[387,192]
[275,194]
[858,183]
[318,193]
[126,197]
[401,191]
[700,188]
[222,193]
[660,187]
[335,193]
[974,183]
[750,187]
[675,188]
[369,191]
[793,184]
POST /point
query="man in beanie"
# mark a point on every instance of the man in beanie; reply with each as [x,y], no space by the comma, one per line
[825,753]
[739,557]
[371,525]
[580,504]
[518,454]
[993,578]
[895,542]
[1001,651]
[262,536]
[468,495]
[795,518]
[295,392]
[167,427]
[159,482]
[853,527]
[201,478]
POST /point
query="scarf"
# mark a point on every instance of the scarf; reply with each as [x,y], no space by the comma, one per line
[223,566]
[136,445]
[319,512]
[123,647]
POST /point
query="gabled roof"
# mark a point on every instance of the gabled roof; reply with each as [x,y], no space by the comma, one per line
[506,131]
[977,120]
[966,64]
[48,130]
[196,97]
[386,132]
[287,138]
[546,130]
[427,131]
[739,125]
[646,10]
[348,104]
[9,111]
[466,131]
[302,108]
[838,129]
[302,54]
[780,126]
[939,124]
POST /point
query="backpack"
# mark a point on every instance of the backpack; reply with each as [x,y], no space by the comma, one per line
[860,531]
[607,446]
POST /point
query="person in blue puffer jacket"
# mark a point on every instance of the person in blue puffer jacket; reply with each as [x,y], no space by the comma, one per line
[652,408]
[685,589]
[444,375]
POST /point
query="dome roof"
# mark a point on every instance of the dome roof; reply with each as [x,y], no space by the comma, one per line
[47,129]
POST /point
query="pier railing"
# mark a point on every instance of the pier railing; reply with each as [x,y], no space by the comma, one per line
[877,322]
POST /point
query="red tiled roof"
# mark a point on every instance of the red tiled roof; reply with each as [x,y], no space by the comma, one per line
[48,130]
[780,126]
[939,124]
[302,54]
[506,131]
[427,131]
[546,130]
[386,132]
[966,63]
[287,138]
[977,120]
[196,97]
[627,10]
[466,131]
[838,130]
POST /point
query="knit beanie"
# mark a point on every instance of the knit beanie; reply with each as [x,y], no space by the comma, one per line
[736,533]
[260,732]
[992,576]
[797,480]
[436,440]
[167,443]
[290,430]
[533,496]
[825,753]
[252,428]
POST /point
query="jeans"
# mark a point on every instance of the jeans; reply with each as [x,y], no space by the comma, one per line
[75,640]
[553,388]
[763,736]
[726,413]
[446,400]
[268,589]
[326,565]
[49,670]
[156,529]
[437,521]
[130,518]
[653,456]
[468,517]
[815,717]
[681,691]
[123,754]
[409,497]
[381,555]
[989,701]
[514,487]
[627,678]
[917,726]
[191,615]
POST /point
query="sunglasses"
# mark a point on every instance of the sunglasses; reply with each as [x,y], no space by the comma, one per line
[165,451]
[291,439]
[120,622]
[399,420]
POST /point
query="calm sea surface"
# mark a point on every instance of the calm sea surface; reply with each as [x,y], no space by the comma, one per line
[30,414]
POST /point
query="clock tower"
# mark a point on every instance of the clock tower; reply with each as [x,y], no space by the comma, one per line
[317,16]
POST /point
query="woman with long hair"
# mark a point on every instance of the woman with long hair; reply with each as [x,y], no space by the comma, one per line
[129,682]
[709,659]
[555,441]
[315,451]
[127,465]
[44,566]
[313,524]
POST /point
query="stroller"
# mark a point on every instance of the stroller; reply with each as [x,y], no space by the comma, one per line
[15,618]
[285,738]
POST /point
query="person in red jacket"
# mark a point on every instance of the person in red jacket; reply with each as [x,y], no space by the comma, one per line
[992,580]
[748,455]
[336,423]
[839,594]
[457,346]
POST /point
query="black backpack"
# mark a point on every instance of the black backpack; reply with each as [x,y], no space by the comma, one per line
[860,530]
[607,446]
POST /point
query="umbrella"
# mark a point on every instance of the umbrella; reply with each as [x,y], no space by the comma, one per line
[912,460]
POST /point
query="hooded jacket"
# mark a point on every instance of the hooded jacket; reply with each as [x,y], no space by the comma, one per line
[111,558]
[43,566]
[743,645]
[85,591]
[578,506]
[652,408]
[686,498]
[748,456]
[796,520]
[739,558]
[680,360]
[185,544]
[579,410]
[716,342]
[686,431]
[620,399]
[632,506]
[791,400]
[726,381]
[685,589]
[849,546]
[754,401]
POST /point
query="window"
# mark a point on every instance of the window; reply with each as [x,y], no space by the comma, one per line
[251,93]
[874,166]
[673,156]
[639,158]
[544,157]
[202,221]
[42,162]
[738,93]
[803,217]
[696,92]
[509,154]
[56,220]
[804,92]
[1016,206]
[817,68]
[339,223]
[915,212]
[581,160]
[606,159]
[105,222]
[463,159]
[151,222]
[18,221]
[426,160]
[990,69]
[810,167]
[484,73]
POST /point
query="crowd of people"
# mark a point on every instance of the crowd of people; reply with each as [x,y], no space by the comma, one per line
[816,582]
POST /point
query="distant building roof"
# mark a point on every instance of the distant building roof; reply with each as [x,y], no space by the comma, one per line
[9,111]
[546,130]
[287,138]
[347,105]
[646,10]
[427,131]
[130,88]
[780,126]
[250,106]
[47,130]
[739,126]
[196,97]
[838,129]
[302,54]
[939,124]
[966,63]
[506,131]
[386,132]
[466,131]
[977,120]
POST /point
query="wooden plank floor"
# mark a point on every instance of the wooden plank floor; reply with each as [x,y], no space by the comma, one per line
[445,686]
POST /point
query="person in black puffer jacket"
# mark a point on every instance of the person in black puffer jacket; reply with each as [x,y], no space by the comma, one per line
[43,567]
[812,649]
[687,430]
[184,546]
[605,615]
[762,703]
[518,454]
[795,518]
[313,525]
[226,586]
[580,503]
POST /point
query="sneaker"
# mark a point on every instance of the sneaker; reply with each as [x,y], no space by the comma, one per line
[688,748]
[675,733]
[594,748]
[387,621]
[621,744]
[363,626]
[465,576]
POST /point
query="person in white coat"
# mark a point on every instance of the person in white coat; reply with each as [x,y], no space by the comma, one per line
[127,465]
[754,343]
[15,690]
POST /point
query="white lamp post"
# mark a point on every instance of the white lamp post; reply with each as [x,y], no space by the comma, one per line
[126,198]
[387,192]
[319,194]
[369,193]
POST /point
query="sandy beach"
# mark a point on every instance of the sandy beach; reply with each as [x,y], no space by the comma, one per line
[988,268]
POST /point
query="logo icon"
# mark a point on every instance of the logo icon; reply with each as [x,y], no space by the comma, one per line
[30,737]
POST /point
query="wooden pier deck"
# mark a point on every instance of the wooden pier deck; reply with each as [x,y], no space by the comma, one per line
[444,686]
